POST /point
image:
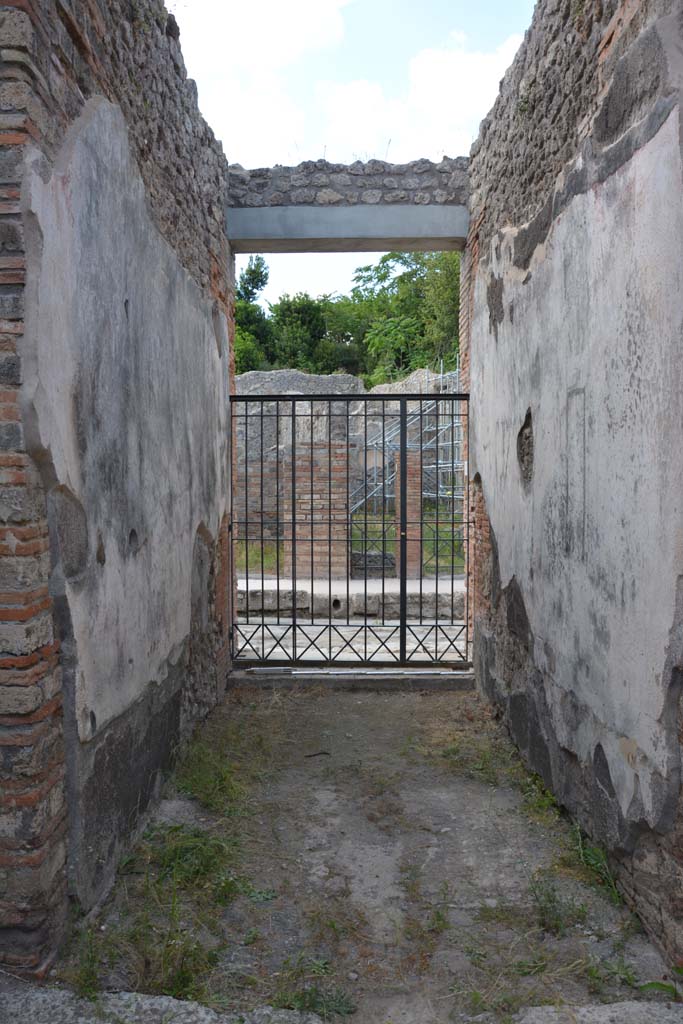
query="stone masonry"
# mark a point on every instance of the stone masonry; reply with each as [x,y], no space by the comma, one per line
[115,310]
[319,183]
[316,512]
[413,487]
[263,439]
[571,327]
[62,819]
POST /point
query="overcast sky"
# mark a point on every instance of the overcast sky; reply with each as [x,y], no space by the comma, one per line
[281,82]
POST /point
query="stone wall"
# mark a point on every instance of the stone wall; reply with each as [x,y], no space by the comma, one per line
[319,183]
[263,437]
[572,327]
[115,301]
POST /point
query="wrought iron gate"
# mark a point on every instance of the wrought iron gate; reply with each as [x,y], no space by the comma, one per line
[349,530]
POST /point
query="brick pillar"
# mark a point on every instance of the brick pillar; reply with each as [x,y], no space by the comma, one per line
[321,508]
[32,801]
[477,530]
[413,513]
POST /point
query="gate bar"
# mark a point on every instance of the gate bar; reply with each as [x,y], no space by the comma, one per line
[403,527]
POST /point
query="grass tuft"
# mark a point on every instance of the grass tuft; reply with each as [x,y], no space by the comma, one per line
[538,802]
[171,959]
[188,855]
[555,913]
[327,1003]
[85,977]
[206,774]
[594,859]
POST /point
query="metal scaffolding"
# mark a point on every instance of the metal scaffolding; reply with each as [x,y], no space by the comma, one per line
[438,432]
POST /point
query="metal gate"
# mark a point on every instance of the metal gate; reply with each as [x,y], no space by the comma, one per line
[349,530]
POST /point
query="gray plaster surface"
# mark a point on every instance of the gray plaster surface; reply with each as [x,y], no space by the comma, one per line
[347,229]
[590,340]
[622,1013]
[20,1001]
[126,383]
[392,816]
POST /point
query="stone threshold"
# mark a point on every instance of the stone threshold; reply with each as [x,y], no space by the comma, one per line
[369,680]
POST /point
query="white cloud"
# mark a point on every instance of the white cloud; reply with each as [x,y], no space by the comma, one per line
[240,54]
[258,34]
[448,92]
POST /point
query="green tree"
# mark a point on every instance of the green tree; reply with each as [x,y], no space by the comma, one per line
[248,353]
[441,309]
[253,279]
[402,314]
[415,301]
[299,327]
[252,320]
[395,345]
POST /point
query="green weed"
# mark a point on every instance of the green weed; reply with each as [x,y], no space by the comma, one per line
[188,855]
[554,913]
[327,1003]
[86,976]
[594,859]
[343,921]
[673,989]
[206,773]
[510,915]
[438,921]
[411,881]
[475,955]
[600,973]
[538,802]
[171,960]
[299,989]
[531,967]
[259,895]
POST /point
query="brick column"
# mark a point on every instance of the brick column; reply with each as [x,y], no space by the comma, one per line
[413,513]
[32,801]
[477,529]
[32,804]
[320,505]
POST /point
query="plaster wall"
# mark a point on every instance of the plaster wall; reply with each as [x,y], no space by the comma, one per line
[127,388]
[125,408]
[591,344]
[573,333]
[117,285]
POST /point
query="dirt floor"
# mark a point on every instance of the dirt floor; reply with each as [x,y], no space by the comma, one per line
[379,857]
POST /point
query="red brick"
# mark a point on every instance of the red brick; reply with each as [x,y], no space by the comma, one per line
[44,712]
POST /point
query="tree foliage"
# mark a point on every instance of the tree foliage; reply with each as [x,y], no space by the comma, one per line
[253,279]
[402,314]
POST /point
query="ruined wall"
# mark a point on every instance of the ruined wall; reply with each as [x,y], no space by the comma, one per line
[320,183]
[115,300]
[263,437]
[573,322]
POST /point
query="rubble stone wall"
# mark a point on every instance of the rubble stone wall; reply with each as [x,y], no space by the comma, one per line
[319,183]
[572,327]
[114,308]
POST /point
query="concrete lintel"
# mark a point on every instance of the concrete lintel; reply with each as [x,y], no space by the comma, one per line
[360,228]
